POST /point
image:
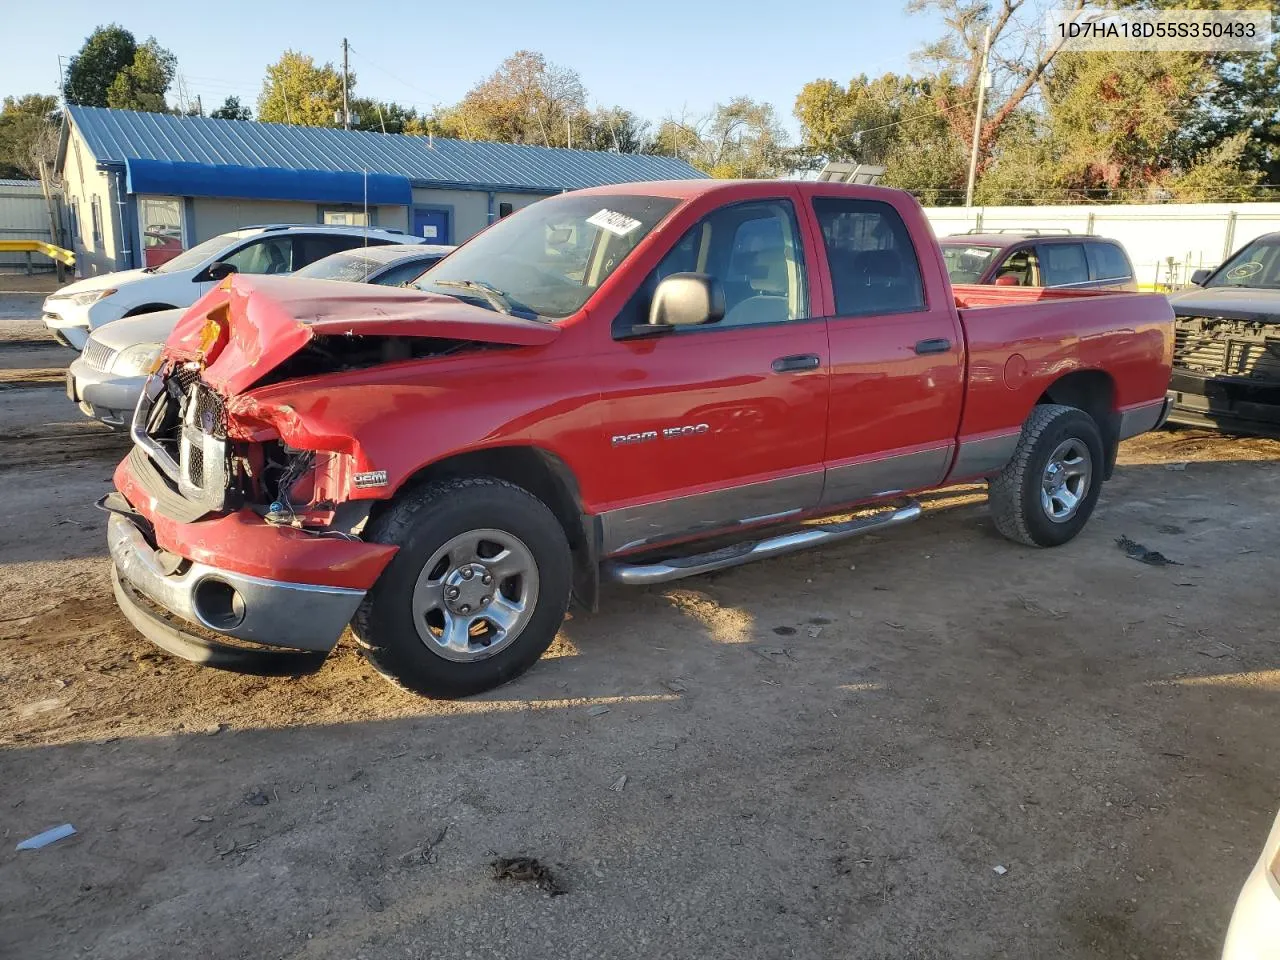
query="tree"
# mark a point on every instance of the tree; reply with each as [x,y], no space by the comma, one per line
[526,100]
[890,121]
[28,135]
[1020,58]
[106,52]
[143,83]
[612,129]
[297,91]
[383,116]
[231,110]
[739,139]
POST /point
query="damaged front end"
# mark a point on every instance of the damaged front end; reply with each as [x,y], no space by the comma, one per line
[236,529]
[1226,373]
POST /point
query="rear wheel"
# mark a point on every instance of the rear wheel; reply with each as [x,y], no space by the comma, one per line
[1046,493]
[475,594]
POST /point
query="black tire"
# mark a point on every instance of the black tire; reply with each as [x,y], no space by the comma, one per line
[420,523]
[1015,493]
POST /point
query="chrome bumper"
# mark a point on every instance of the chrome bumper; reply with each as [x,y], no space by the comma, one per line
[295,616]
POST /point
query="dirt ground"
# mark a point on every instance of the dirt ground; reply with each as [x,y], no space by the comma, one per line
[824,755]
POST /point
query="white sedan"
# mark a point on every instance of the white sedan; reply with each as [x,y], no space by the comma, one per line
[79,308]
[107,378]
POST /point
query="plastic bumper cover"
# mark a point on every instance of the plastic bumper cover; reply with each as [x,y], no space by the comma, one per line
[290,617]
[107,396]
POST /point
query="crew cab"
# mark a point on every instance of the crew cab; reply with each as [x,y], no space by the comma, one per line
[636,383]
[1226,360]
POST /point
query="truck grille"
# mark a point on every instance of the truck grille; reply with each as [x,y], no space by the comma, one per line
[180,425]
[98,355]
[1230,348]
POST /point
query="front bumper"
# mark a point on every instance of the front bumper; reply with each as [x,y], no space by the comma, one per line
[72,323]
[1233,404]
[266,615]
[103,395]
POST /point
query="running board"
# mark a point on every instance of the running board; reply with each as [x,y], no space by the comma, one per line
[641,574]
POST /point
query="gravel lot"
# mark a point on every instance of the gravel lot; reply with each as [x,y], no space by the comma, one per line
[822,755]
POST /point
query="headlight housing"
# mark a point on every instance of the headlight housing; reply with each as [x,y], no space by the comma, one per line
[136,360]
[91,296]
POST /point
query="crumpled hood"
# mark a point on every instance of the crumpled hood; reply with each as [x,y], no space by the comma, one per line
[247,326]
[1233,303]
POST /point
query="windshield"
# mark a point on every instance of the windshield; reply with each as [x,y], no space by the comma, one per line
[197,254]
[1257,265]
[548,258]
[352,267]
[966,263]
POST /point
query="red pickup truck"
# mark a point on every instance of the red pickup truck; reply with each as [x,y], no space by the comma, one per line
[637,382]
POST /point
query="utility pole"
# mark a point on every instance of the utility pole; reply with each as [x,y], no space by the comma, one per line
[984,81]
[346,109]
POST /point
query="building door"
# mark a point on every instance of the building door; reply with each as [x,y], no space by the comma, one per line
[432,225]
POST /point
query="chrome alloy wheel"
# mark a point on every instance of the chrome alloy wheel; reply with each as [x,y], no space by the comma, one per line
[1066,480]
[475,595]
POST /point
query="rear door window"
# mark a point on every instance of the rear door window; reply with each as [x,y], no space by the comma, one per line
[310,247]
[873,262]
[1062,264]
[404,272]
[1109,262]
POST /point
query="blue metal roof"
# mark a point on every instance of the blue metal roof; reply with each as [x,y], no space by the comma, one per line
[118,136]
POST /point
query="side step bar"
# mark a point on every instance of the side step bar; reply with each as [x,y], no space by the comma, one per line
[641,574]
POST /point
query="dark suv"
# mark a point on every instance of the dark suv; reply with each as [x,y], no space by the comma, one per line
[1029,259]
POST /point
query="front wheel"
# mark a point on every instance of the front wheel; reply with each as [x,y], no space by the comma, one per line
[475,594]
[1046,493]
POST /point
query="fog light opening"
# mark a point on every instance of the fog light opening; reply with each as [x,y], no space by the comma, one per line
[218,604]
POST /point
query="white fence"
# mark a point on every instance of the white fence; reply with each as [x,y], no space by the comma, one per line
[24,215]
[1166,242]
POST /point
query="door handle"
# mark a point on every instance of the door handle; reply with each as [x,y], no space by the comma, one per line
[799,361]
[940,345]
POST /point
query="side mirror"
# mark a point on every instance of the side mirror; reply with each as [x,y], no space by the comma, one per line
[216,271]
[1200,276]
[687,300]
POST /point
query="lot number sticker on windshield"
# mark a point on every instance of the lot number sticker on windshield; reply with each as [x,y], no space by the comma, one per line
[619,224]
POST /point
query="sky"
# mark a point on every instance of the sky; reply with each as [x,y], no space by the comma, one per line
[655,57]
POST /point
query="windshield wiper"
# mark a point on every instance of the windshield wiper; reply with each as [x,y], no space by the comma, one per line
[497,299]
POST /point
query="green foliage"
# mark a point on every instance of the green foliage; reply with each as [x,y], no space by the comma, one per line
[299,92]
[382,116]
[526,100]
[892,121]
[142,84]
[741,139]
[1221,175]
[612,129]
[106,52]
[232,110]
[28,134]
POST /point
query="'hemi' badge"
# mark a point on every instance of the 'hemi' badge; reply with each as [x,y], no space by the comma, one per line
[371,478]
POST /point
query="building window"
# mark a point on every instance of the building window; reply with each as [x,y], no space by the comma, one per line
[160,225]
[342,217]
[75,219]
[504,210]
[95,211]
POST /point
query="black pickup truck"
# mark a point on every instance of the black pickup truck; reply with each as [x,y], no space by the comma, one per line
[1226,359]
